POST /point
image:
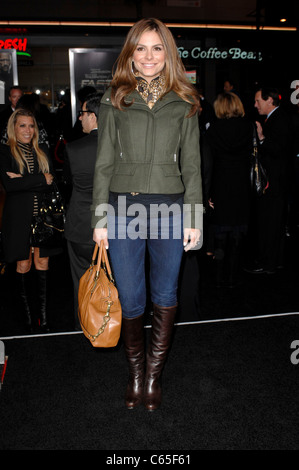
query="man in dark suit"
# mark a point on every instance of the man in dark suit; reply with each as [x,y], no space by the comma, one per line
[79,167]
[275,139]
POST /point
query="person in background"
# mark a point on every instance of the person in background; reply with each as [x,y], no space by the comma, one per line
[25,172]
[148,154]
[79,172]
[275,149]
[82,94]
[31,102]
[230,139]
[206,117]
[229,87]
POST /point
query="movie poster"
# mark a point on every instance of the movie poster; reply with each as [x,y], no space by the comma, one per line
[8,74]
[90,67]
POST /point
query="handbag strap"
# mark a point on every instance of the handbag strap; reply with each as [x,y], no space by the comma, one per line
[102,261]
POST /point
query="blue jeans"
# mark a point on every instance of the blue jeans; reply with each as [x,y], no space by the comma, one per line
[164,241]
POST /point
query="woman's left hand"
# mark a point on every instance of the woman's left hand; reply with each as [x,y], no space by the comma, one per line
[13,175]
[191,238]
[49,178]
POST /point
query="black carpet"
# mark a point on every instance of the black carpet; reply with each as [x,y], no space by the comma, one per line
[227,386]
[229,383]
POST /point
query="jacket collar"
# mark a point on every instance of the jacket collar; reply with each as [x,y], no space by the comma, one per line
[135,97]
[170,97]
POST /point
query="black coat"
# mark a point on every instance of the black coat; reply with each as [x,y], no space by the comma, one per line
[230,142]
[275,152]
[79,170]
[18,206]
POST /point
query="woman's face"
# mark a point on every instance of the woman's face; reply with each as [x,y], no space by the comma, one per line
[24,129]
[149,56]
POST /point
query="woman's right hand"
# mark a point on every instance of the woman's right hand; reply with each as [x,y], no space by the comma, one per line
[100,234]
[49,178]
[13,175]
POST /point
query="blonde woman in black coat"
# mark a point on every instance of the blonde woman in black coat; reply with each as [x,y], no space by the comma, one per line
[230,138]
[25,174]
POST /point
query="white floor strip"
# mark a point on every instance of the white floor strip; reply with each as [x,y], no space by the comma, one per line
[63,333]
[254,317]
[218,320]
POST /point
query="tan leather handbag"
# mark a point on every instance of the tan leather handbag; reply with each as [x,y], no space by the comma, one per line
[99,306]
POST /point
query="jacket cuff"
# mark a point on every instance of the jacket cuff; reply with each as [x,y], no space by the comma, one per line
[99,216]
[193,216]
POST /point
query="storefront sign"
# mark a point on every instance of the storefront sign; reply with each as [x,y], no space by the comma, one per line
[216,54]
[18,44]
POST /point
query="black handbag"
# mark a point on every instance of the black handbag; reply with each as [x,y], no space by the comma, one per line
[258,176]
[47,228]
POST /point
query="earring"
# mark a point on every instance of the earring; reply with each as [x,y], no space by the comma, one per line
[133,70]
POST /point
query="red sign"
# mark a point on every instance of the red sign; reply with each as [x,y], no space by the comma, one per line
[18,44]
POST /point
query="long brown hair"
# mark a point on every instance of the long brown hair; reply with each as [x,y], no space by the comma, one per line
[16,152]
[124,81]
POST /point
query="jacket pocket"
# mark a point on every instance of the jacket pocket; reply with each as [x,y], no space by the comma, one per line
[125,169]
[171,170]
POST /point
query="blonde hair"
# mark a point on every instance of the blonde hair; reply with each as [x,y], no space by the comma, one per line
[16,152]
[228,105]
[124,81]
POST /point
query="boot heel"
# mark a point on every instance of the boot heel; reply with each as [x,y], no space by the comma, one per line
[152,394]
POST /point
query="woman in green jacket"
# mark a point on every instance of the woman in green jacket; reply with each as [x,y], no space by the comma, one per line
[148,163]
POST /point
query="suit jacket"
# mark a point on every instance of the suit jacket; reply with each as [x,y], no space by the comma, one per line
[81,156]
[275,151]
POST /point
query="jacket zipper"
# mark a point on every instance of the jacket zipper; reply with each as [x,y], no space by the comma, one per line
[176,150]
[119,142]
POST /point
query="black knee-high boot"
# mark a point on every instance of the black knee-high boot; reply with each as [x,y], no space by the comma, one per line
[162,328]
[42,283]
[133,337]
[23,283]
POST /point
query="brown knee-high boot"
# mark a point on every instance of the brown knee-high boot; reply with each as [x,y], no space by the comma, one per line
[162,327]
[133,337]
